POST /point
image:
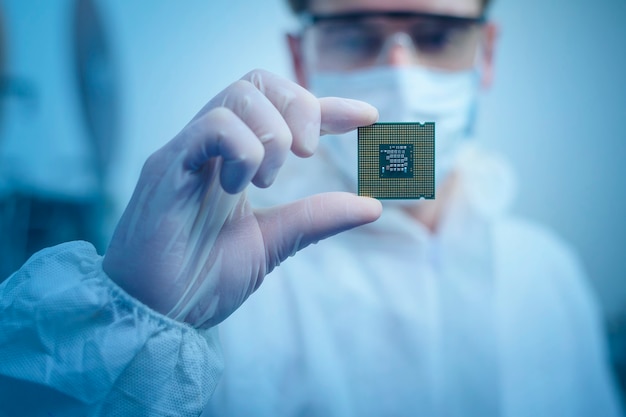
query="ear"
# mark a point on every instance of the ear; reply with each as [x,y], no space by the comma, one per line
[491,31]
[297,59]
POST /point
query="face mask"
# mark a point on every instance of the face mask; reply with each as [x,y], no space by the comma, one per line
[411,94]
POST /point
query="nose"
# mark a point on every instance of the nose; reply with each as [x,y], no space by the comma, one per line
[398,51]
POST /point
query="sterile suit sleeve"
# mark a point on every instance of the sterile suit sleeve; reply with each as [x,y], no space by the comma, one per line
[73,343]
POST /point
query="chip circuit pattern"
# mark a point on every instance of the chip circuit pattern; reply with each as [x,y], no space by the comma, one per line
[397,160]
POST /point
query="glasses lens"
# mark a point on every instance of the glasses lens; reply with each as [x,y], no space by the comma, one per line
[352,42]
[443,42]
[435,37]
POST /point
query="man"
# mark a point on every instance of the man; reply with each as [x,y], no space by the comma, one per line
[446,307]
[441,308]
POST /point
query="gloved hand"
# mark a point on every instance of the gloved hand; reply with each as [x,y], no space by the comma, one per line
[189,244]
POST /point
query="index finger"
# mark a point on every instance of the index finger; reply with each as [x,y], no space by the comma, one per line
[341,115]
[299,108]
[307,116]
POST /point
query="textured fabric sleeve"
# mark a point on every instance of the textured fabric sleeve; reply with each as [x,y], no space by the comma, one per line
[72,343]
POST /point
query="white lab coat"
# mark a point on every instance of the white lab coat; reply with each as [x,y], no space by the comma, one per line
[491,316]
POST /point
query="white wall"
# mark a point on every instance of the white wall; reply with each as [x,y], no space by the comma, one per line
[558,110]
[176,55]
[557,107]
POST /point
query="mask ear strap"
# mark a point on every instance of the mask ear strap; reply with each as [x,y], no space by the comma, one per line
[484,54]
[309,58]
[472,117]
[478,65]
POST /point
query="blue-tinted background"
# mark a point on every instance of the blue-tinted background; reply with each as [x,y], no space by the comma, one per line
[557,108]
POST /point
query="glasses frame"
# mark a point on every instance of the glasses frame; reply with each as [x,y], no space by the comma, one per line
[309,19]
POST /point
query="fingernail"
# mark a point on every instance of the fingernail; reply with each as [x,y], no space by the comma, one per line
[363,107]
[311,137]
[270,176]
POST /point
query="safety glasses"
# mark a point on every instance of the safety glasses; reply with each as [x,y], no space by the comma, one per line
[356,40]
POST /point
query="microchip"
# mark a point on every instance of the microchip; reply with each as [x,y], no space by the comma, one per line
[397,160]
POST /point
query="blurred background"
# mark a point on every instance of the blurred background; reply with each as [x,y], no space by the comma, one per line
[80,114]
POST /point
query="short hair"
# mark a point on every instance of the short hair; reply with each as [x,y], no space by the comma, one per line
[301,6]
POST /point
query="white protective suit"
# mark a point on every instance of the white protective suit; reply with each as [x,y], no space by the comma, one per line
[72,343]
[490,317]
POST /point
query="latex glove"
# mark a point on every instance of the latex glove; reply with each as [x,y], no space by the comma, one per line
[189,244]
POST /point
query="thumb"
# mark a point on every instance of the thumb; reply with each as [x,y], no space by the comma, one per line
[287,229]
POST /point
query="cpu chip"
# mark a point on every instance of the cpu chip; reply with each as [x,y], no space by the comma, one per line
[397,160]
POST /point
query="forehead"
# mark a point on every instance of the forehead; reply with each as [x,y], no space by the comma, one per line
[451,7]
